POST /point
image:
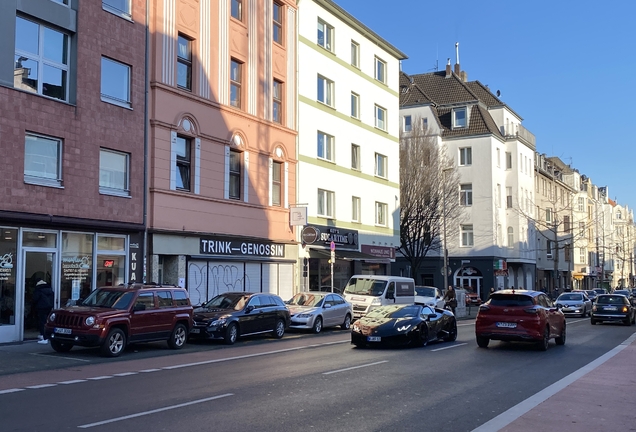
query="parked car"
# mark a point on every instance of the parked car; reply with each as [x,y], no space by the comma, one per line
[327,288]
[429,296]
[574,303]
[613,307]
[315,311]
[113,317]
[520,315]
[472,298]
[402,324]
[591,294]
[231,315]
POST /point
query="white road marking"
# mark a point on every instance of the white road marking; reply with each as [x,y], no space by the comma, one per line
[449,347]
[73,381]
[355,367]
[41,386]
[463,325]
[125,374]
[154,411]
[13,390]
[103,377]
[149,370]
[512,414]
[58,357]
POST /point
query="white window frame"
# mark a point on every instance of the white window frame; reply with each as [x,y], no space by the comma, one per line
[277,23]
[327,90]
[328,147]
[581,204]
[44,62]
[508,160]
[407,124]
[235,174]
[328,35]
[355,209]
[467,236]
[110,190]
[381,166]
[126,103]
[326,204]
[381,213]
[277,183]
[582,255]
[355,105]
[511,237]
[236,5]
[31,176]
[277,101]
[236,82]
[458,122]
[355,157]
[380,70]
[465,156]
[509,197]
[466,194]
[355,54]
[380,118]
[548,249]
[185,161]
[126,13]
[548,215]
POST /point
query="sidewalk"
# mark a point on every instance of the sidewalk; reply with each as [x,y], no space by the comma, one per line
[598,397]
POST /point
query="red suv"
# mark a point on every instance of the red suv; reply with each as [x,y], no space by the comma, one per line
[520,315]
[113,317]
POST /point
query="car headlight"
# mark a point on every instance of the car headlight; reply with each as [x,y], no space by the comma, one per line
[52,317]
[356,328]
[404,328]
[217,322]
[90,321]
[376,302]
[304,315]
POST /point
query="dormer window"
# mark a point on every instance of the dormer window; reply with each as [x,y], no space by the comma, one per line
[459,118]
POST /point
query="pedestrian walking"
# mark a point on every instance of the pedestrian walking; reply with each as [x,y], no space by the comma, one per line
[43,300]
[450,298]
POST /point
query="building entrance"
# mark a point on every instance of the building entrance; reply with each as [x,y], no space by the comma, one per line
[38,265]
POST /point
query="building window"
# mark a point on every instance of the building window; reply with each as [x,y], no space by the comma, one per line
[380,117]
[115,82]
[548,249]
[184,63]
[466,194]
[355,157]
[459,118]
[355,54]
[184,168]
[508,160]
[42,160]
[325,35]
[325,203]
[118,7]
[408,127]
[278,23]
[236,9]
[277,168]
[355,209]
[498,195]
[498,158]
[467,235]
[582,256]
[64,2]
[466,156]
[355,105]
[236,70]
[41,60]
[380,165]
[581,203]
[548,215]
[511,237]
[325,146]
[582,230]
[509,197]
[566,223]
[113,172]
[380,70]
[277,102]
[235,174]
[325,90]
[380,213]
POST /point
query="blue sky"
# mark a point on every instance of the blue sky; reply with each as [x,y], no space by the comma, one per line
[568,68]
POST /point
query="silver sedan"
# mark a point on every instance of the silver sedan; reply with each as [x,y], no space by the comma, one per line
[574,303]
[317,310]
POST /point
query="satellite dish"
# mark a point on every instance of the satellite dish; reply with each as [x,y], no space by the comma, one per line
[498,93]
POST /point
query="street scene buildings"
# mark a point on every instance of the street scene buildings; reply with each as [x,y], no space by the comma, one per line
[230,145]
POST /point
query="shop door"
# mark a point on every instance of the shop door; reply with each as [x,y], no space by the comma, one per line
[37,266]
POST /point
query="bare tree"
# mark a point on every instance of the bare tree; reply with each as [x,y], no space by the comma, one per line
[429,183]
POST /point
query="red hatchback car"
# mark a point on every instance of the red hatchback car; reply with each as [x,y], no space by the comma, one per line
[520,315]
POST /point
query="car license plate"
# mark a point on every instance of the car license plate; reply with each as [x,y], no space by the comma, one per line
[195,330]
[62,330]
[506,325]
[373,338]
[612,308]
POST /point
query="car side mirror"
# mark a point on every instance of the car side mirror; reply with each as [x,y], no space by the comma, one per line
[431,316]
[139,307]
[327,305]
[249,309]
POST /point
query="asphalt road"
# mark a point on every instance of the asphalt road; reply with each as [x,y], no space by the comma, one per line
[312,382]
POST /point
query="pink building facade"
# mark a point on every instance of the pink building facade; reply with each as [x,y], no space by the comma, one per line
[222,154]
[72,108]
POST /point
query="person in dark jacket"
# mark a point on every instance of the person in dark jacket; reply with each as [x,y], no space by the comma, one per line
[450,298]
[43,301]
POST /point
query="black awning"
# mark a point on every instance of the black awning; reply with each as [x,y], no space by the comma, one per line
[346,255]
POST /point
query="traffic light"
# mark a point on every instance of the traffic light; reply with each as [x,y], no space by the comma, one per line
[305,266]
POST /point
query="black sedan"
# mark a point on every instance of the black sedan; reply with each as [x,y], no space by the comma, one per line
[233,314]
[404,325]
[613,307]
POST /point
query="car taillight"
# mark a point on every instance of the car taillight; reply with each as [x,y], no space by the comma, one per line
[484,308]
[594,308]
[625,309]
[531,310]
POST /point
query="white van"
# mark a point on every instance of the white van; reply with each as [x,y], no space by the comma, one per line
[367,292]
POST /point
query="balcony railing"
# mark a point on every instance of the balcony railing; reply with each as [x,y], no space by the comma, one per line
[519,132]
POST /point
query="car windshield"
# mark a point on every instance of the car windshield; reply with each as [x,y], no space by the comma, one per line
[425,291]
[115,299]
[365,286]
[225,301]
[610,299]
[395,312]
[510,300]
[306,299]
[622,292]
[570,296]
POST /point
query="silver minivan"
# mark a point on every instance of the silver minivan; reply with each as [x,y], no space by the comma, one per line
[367,292]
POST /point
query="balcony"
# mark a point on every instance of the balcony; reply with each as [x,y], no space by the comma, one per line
[520,133]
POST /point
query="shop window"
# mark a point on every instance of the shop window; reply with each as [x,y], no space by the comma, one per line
[77,266]
[8,269]
[111,260]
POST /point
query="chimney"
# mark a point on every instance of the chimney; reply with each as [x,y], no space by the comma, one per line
[457,58]
[448,69]
[464,76]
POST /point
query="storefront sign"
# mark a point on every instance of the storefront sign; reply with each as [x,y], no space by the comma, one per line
[378,251]
[6,267]
[218,246]
[310,234]
[343,238]
[135,258]
[76,267]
